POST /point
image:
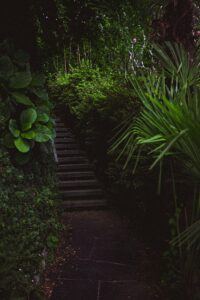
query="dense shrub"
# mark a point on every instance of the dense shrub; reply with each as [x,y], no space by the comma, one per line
[28,213]
[98,102]
[83,88]
[28,225]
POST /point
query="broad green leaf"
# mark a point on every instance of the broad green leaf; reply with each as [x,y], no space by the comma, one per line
[27,118]
[14,129]
[43,134]
[20,80]
[22,99]
[6,67]
[42,117]
[38,80]
[30,135]
[22,145]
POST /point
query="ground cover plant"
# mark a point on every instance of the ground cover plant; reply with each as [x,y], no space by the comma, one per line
[28,220]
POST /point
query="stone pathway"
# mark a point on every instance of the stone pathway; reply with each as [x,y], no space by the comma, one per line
[108,262]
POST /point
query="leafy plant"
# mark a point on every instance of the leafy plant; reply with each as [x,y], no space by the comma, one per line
[168,130]
[27,120]
[28,225]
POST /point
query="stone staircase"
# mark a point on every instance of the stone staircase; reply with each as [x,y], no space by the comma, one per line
[77,183]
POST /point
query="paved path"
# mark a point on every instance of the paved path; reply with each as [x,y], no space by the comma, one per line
[108,263]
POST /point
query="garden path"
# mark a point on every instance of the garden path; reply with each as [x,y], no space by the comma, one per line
[109,263]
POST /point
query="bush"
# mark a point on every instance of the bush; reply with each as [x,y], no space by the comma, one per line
[98,101]
[82,89]
[28,227]
[28,214]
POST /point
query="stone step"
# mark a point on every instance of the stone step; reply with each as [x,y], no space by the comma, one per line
[79,183]
[70,153]
[61,129]
[61,140]
[69,204]
[64,134]
[76,175]
[60,124]
[78,160]
[65,146]
[57,119]
[81,193]
[75,167]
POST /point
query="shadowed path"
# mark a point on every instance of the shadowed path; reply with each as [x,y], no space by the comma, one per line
[108,261]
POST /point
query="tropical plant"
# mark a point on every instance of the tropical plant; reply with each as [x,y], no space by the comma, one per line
[25,106]
[168,128]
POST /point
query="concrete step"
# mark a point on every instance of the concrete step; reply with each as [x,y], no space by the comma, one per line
[77,160]
[79,183]
[76,175]
[70,204]
[75,167]
[64,134]
[65,146]
[61,129]
[57,119]
[61,140]
[60,124]
[82,193]
[69,153]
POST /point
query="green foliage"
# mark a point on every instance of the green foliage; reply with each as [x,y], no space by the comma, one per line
[28,225]
[168,130]
[94,31]
[27,117]
[98,101]
[83,89]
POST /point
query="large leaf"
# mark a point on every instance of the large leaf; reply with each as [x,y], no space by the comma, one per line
[42,117]
[6,67]
[30,135]
[22,99]
[20,80]
[27,118]
[14,129]
[43,134]
[22,145]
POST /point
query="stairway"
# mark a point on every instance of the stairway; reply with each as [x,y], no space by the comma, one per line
[77,183]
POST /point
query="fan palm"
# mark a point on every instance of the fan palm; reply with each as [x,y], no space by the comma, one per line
[169,124]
